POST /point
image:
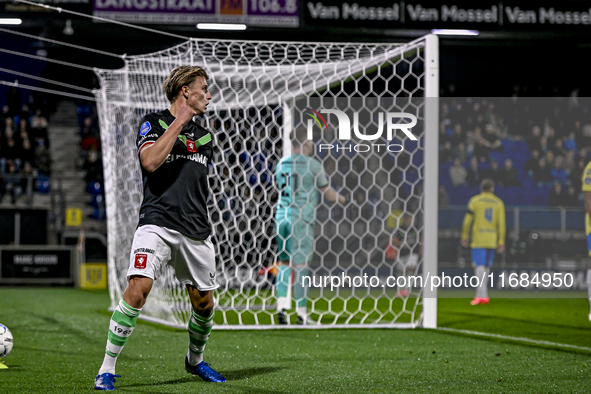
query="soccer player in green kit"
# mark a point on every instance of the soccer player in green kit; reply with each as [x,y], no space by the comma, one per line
[299,178]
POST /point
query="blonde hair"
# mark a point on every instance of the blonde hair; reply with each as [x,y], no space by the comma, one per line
[179,77]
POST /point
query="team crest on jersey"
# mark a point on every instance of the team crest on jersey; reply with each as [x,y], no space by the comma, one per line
[191,146]
[145,128]
[140,260]
[587,181]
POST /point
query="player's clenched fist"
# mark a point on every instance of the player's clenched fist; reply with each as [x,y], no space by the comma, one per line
[185,114]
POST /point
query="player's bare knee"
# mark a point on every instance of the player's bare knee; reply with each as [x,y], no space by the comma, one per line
[204,306]
[137,291]
[201,301]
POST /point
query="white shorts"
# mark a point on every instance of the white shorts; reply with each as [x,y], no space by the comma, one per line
[154,247]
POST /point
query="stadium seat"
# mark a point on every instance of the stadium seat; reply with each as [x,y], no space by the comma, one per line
[43,185]
[94,188]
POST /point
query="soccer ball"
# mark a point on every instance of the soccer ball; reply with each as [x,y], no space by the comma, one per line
[5,341]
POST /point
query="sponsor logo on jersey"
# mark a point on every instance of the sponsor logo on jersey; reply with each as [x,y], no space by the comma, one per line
[145,128]
[144,250]
[153,135]
[140,260]
[197,157]
[587,181]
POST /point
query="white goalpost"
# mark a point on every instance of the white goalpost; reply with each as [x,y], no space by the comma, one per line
[261,92]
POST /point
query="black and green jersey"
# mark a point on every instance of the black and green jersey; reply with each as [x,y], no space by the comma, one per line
[175,195]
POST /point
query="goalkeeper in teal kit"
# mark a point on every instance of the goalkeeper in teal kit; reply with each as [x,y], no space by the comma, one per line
[299,177]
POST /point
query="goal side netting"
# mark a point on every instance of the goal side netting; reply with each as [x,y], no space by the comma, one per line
[261,92]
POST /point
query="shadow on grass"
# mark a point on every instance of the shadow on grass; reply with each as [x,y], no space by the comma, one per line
[63,328]
[229,375]
[250,372]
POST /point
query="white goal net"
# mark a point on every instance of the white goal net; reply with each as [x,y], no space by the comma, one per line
[261,91]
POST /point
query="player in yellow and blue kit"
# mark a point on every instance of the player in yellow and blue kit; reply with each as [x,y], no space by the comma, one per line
[486,217]
[299,178]
[586,188]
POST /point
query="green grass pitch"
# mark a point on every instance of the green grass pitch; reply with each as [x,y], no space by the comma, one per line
[60,336]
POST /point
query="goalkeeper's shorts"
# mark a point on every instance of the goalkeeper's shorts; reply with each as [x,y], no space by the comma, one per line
[156,247]
[481,256]
[295,241]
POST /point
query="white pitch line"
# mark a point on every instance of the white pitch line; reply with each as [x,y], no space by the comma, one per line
[516,339]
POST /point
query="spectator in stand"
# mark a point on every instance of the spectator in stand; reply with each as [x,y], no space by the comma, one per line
[27,178]
[576,174]
[24,113]
[556,198]
[557,172]
[571,199]
[93,166]
[23,129]
[27,153]
[9,126]
[543,146]
[443,197]
[457,115]
[472,138]
[460,152]
[492,138]
[89,142]
[457,137]
[474,176]
[12,182]
[559,148]
[39,128]
[570,143]
[458,173]
[88,128]
[533,140]
[4,115]
[569,162]
[493,172]
[11,151]
[550,159]
[532,163]
[550,134]
[481,150]
[446,154]
[542,174]
[443,137]
[38,121]
[509,175]
[42,158]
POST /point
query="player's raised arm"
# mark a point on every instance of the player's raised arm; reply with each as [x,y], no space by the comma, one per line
[152,156]
[332,195]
